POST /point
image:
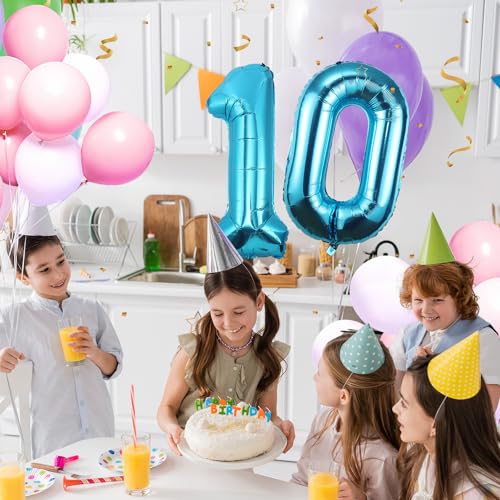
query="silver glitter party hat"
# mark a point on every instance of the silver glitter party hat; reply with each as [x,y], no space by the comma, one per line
[221,254]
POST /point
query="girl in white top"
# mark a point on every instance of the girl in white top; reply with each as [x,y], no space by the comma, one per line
[453,445]
[358,430]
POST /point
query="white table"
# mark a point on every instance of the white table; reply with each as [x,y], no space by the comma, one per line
[175,479]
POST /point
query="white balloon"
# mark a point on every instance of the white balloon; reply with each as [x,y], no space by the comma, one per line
[319,31]
[330,332]
[97,79]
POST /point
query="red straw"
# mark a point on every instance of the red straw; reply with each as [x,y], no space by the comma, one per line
[132,401]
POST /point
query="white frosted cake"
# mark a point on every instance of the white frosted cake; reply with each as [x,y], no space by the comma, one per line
[228,438]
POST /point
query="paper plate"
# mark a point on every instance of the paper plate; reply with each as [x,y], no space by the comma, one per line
[250,463]
[37,480]
[112,459]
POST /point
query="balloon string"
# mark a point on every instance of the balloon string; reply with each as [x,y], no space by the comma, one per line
[107,51]
[454,78]
[370,19]
[460,150]
[243,46]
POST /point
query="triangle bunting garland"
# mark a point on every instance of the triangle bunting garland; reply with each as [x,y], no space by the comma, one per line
[457,100]
[175,69]
[207,83]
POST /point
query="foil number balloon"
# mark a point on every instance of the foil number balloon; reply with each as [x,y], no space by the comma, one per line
[245,101]
[305,195]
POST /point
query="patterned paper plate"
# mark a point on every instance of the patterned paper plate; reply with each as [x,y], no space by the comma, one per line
[112,459]
[37,480]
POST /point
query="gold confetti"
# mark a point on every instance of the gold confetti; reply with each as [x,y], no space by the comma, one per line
[370,19]
[420,124]
[460,150]
[412,256]
[454,78]
[392,89]
[209,43]
[318,62]
[193,321]
[240,5]
[398,46]
[321,37]
[243,46]
[107,51]
[84,273]
[124,314]
[273,6]
[102,269]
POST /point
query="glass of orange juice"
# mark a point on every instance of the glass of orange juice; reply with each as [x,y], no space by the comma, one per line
[68,326]
[323,481]
[136,457]
[11,475]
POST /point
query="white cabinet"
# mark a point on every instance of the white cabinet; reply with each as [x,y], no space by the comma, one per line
[438,30]
[297,397]
[134,66]
[488,113]
[148,328]
[205,34]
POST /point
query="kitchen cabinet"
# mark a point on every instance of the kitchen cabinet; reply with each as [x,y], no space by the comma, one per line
[134,66]
[438,30]
[487,140]
[205,34]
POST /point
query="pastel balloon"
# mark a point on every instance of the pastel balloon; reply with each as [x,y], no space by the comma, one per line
[354,126]
[8,151]
[488,294]
[478,245]
[12,74]
[375,290]
[116,149]
[54,99]
[305,193]
[36,35]
[320,30]
[97,79]
[48,172]
[330,332]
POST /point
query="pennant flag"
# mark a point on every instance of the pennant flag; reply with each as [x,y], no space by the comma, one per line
[207,83]
[435,249]
[496,80]
[175,69]
[457,100]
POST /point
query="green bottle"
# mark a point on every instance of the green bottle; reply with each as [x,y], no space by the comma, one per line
[151,253]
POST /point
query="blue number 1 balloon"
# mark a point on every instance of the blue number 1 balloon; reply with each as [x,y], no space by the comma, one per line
[305,195]
[245,101]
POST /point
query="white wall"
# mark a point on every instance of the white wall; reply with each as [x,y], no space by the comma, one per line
[457,195]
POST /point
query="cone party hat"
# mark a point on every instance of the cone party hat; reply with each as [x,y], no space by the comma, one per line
[30,220]
[435,249]
[455,373]
[362,353]
[221,254]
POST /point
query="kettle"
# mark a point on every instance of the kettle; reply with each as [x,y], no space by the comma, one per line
[374,253]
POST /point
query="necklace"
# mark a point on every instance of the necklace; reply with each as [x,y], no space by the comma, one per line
[235,349]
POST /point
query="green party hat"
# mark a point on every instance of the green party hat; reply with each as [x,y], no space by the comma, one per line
[435,249]
[362,353]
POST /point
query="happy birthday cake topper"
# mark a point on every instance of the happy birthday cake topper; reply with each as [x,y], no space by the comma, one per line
[227,407]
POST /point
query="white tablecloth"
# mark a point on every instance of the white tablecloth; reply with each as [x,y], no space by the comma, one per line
[175,479]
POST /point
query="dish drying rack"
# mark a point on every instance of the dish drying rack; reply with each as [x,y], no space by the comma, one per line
[91,252]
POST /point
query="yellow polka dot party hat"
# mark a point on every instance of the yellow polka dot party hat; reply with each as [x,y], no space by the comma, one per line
[455,373]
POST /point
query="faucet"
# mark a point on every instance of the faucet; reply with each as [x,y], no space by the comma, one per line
[183,260]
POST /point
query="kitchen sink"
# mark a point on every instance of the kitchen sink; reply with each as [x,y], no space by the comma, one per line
[164,277]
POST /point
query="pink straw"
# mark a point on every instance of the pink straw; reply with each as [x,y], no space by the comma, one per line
[132,402]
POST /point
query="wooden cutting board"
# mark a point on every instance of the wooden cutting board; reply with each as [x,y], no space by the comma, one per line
[161,215]
[195,235]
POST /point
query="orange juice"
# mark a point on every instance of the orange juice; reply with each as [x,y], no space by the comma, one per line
[323,486]
[136,466]
[70,356]
[11,482]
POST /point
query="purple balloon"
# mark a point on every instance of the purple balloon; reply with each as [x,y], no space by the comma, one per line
[354,128]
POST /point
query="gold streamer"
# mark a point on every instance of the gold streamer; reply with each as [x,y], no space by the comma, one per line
[454,78]
[370,19]
[107,51]
[243,46]
[460,150]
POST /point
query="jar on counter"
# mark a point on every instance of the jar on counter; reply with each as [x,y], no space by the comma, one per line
[306,261]
[324,272]
[341,272]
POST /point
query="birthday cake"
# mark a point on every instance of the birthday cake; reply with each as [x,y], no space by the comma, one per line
[226,432]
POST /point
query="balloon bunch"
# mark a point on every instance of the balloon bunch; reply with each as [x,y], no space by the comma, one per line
[45,95]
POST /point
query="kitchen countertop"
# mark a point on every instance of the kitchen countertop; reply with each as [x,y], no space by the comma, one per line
[310,291]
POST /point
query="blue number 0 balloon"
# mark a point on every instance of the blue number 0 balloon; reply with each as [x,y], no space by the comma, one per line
[245,101]
[305,196]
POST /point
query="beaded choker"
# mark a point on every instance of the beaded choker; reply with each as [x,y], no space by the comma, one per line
[235,349]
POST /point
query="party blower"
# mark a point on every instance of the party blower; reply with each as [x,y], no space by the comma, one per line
[67,482]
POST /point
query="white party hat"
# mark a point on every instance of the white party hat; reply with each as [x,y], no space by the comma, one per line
[30,220]
[221,254]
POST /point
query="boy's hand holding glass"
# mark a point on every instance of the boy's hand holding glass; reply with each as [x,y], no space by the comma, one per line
[76,342]
[9,358]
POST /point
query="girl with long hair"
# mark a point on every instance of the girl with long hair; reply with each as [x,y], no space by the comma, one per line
[356,428]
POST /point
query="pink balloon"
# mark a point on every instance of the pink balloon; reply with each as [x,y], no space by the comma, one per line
[48,172]
[36,35]
[375,290]
[12,74]
[478,245]
[55,98]
[8,151]
[330,332]
[116,149]
[488,293]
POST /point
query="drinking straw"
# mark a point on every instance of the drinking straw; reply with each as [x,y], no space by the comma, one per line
[132,403]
